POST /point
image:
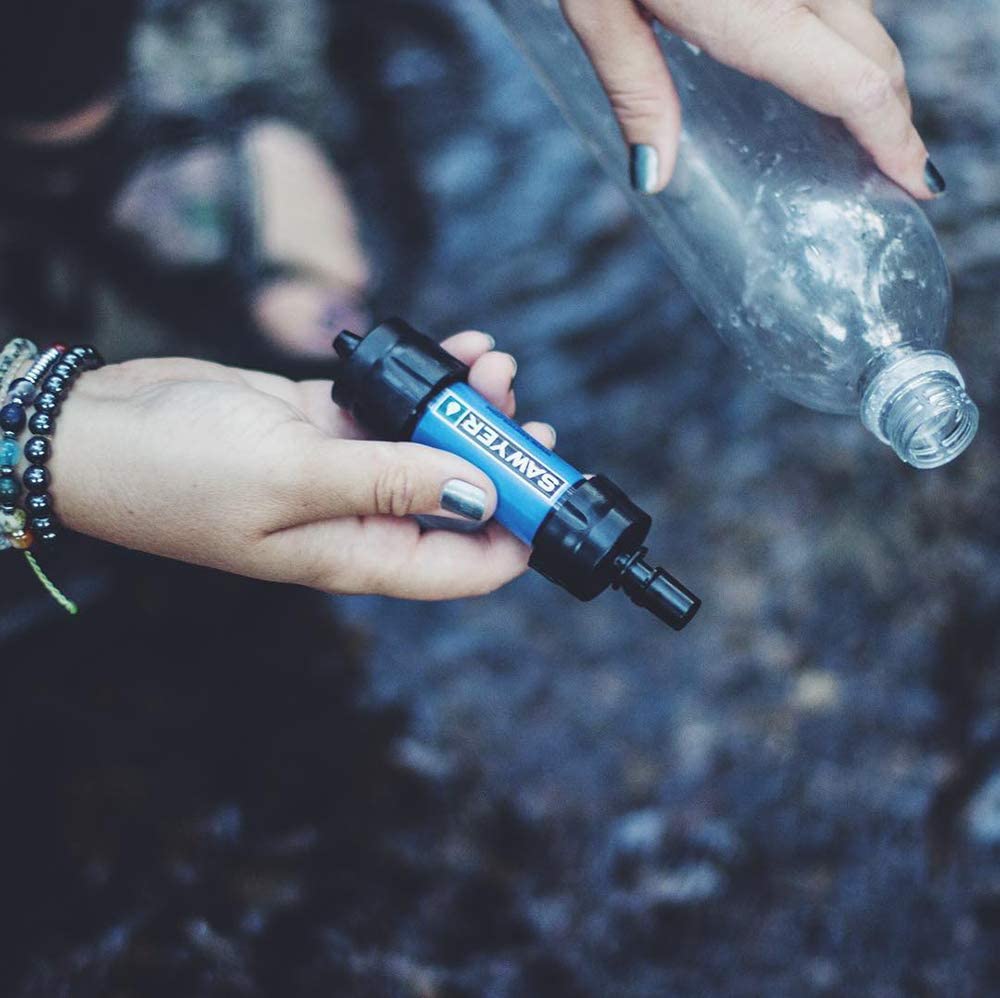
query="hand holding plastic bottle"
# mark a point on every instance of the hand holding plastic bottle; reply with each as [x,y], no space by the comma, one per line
[823,274]
[832,55]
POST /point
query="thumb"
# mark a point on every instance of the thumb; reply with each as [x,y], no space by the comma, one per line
[624,51]
[372,478]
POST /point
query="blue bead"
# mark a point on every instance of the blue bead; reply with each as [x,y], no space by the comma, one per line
[10,488]
[12,417]
[10,453]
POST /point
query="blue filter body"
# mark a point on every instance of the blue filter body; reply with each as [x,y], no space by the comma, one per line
[530,480]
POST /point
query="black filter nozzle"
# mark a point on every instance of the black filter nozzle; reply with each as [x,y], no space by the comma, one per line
[384,378]
[658,591]
[593,539]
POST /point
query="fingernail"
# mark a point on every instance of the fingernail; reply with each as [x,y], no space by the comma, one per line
[555,436]
[463,499]
[644,167]
[932,177]
[493,342]
[513,373]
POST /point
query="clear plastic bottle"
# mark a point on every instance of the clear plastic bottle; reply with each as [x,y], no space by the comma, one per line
[822,274]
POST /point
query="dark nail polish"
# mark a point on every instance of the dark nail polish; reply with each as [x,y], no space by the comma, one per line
[644,168]
[932,177]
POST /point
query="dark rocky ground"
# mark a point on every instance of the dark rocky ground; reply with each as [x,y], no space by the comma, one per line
[216,788]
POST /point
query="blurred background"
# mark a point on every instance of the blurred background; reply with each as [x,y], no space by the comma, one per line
[220,788]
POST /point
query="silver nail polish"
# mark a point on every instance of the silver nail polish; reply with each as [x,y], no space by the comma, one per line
[464,499]
[644,164]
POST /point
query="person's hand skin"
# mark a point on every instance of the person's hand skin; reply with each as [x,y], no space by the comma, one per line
[253,474]
[832,55]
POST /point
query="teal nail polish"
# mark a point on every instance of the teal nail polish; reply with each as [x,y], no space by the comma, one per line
[932,177]
[644,168]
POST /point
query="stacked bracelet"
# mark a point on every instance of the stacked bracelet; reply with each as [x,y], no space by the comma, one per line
[13,417]
[55,386]
[46,384]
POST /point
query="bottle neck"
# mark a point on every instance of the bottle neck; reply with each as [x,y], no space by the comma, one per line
[915,401]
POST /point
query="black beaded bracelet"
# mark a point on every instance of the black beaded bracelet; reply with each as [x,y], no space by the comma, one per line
[42,523]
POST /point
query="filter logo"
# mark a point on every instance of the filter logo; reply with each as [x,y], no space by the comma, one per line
[499,446]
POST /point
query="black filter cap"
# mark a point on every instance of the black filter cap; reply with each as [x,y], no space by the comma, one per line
[385,378]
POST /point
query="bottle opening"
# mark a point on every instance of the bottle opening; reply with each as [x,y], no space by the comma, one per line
[931,421]
[919,406]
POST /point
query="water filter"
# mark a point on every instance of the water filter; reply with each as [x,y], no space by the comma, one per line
[824,276]
[585,533]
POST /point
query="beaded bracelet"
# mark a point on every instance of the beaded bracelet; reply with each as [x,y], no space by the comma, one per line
[37,481]
[45,384]
[13,416]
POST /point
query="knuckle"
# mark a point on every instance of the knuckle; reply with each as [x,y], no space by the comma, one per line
[871,93]
[395,490]
[634,105]
[749,39]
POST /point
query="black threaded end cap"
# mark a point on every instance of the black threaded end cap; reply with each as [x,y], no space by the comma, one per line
[584,541]
[385,378]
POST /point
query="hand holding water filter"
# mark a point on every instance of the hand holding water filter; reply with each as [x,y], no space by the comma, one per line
[585,533]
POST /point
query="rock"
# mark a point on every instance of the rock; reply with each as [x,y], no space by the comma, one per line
[816,690]
[639,832]
[691,884]
[424,760]
[983,815]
